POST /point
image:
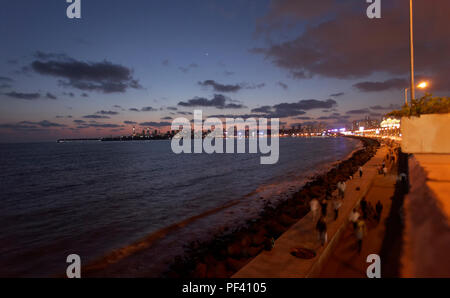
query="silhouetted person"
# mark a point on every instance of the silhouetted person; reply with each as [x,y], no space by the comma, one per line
[360,172]
[321,227]
[379,209]
[360,233]
[363,205]
[324,205]
[336,205]
[354,217]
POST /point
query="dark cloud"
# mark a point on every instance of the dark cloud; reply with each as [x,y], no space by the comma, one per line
[184,113]
[20,95]
[50,96]
[129,122]
[155,124]
[218,101]
[230,88]
[165,62]
[337,94]
[343,43]
[85,95]
[166,118]
[6,79]
[79,121]
[133,110]
[102,76]
[148,109]
[43,123]
[283,110]
[95,117]
[102,112]
[188,68]
[172,108]
[61,117]
[303,118]
[283,85]
[5,86]
[71,94]
[382,86]
[360,111]
[220,87]
[389,107]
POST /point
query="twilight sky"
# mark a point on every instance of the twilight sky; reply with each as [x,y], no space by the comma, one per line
[145,62]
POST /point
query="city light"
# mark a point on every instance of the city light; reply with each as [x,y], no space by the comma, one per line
[423,85]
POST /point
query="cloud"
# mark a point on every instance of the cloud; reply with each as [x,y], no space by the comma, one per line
[389,107]
[167,118]
[102,76]
[85,95]
[172,108]
[129,122]
[26,96]
[50,96]
[228,73]
[102,112]
[360,111]
[220,87]
[96,117]
[148,109]
[43,123]
[283,85]
[155,124]
[342,43]
[337,94]
[61,117]
[390,84]
[6,79]
[79,121]
[165,62]
[133,110]
[188,68]
[219,101]
[283,110]
[71,94]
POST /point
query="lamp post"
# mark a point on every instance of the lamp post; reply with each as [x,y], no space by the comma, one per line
[406,96]
[411,46]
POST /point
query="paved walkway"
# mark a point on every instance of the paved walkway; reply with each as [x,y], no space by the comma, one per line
[280,263]
[345,261]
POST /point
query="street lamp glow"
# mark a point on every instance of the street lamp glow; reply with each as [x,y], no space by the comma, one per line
[423,85]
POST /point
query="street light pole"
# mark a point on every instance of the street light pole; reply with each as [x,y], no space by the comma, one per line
[411,46]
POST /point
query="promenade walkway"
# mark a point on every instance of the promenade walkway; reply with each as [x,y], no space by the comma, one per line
[345,261]
[279,262]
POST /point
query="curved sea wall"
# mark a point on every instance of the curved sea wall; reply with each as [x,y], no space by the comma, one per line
[228,253]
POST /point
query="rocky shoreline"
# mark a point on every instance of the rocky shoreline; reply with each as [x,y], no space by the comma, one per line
[228,252]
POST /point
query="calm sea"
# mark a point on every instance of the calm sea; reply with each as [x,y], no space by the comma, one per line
[91,198]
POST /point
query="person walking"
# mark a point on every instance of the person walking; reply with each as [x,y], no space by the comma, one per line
[379,209]
[324,205]
[360,233]
[385,171]
[321,227]
[354,217]
[337,203]
[360,172]
[363,205]
[315,206]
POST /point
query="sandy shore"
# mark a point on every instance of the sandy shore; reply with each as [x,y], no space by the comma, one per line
[226,254]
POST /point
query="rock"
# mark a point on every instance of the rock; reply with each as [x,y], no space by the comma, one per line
[218,271]
[234,249]
[259,238]
[236,264]
[200,271]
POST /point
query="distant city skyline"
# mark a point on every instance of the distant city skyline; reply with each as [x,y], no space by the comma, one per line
[144,63]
